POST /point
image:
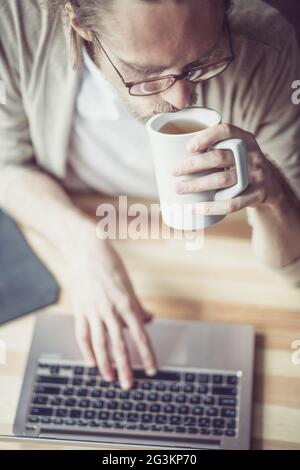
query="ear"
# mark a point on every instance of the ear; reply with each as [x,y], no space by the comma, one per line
[87,35]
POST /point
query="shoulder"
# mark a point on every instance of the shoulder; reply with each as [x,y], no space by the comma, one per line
[260,25]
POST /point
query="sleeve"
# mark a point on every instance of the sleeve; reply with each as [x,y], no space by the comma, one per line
[278,125]
[16,150]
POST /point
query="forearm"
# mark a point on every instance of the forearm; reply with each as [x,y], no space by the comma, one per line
[276,227]
[38,201]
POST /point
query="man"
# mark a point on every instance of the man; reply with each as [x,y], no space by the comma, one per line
[70,123]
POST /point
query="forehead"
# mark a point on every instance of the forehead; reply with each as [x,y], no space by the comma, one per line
[166,32]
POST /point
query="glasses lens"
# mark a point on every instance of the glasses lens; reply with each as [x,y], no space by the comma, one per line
[205,73]
[152,87]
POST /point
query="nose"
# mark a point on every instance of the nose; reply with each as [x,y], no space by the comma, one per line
[178,95]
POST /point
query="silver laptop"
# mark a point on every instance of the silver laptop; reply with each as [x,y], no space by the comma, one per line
[199,399]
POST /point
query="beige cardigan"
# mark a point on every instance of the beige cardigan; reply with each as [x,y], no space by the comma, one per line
[41,89]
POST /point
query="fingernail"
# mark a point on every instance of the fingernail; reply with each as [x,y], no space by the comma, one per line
[151,371]
[179,188]
[191,147]
[176,172]
[126,384]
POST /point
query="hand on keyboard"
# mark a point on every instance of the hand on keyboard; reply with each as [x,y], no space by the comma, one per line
[104,303]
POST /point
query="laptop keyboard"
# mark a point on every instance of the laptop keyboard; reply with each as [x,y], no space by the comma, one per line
[69,397]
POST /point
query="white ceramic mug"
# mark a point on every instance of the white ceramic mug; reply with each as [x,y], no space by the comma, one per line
[169,149]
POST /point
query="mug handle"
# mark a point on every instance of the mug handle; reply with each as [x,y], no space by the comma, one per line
[239,150]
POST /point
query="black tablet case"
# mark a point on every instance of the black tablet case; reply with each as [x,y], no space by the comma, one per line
[25,283]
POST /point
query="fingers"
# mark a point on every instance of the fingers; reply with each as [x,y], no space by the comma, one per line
[143,344]
[205,139]
[100,348]
[119,350]
[222,179]
[206,161]
[83,337]
[250,197]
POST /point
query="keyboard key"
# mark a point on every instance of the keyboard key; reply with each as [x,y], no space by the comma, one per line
[132,417]
[77,381]
[197,410]
[232,380]
[218,432]
[54,370]
[208,400]
[224,390]
[175,387]
[75,414]
[188,388]
[166,375]
[205,431]
[84,403]
[89,414]
[124,395]
[78,370]
[48,379]
[46,420]
[169,409]
[40,400]
[33,419]
[110,394]
[152,396]
[183,409]
[104,383]
[103,415]
[92,370]
[161,419]
[230,433]
[70,422]
[202,389]
[47,390]
[140,407]
[217,379]
[70,402]
[156,427]
[224,401]
[212,411]
[203,378]
[82,392]
[231,423]
[175,419]
[192,430]
[56,401]
[90,383]
[69,391]
[204,422]
[41,411]
[112,405]
[96,393]
[138,395]
[180,398]
[195,399]
[126,405]
[189,377]
[168,428]
[146,385]
[98,404]
[180,429]
[146,418]
[61,412]
[166,397]
[160,387]
[189,421]
[118,416]
[228,412]
[58,421]
[155,408]
[218,423]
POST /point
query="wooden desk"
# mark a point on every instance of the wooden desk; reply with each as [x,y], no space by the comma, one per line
[221,283]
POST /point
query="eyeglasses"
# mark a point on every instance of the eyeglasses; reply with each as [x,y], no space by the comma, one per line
[203,71]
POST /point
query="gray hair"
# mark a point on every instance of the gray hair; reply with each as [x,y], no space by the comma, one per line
[88,13]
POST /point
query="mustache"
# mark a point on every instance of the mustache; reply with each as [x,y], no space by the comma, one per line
[168,108]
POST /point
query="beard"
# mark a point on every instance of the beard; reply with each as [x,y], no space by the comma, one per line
[158,109]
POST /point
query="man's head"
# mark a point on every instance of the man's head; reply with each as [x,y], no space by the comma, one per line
[148,38]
